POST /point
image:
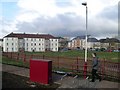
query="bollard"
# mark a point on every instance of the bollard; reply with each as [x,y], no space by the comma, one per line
[85,70]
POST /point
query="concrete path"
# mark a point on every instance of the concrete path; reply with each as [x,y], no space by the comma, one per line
[66,82]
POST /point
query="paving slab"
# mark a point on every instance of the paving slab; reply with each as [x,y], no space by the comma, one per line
[16,70]
[66,82]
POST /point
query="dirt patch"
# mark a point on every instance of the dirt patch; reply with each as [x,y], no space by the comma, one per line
[14,81]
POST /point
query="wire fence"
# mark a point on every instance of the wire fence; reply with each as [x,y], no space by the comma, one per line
[74,65]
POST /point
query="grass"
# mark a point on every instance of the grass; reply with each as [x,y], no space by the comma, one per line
[110,56]
[19,63]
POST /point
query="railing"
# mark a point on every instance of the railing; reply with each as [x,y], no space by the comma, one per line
[72,64]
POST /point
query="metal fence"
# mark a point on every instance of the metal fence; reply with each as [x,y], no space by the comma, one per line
[73,65]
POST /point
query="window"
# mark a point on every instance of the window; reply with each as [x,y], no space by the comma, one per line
[31,49]
[27,39]
[35,39]
[39,48]
[7,44]
[39,39]
[56,40]
[27,44]
[31,44]
[39,44]
[52,44]
[56,44]
[56,49]
[27,49]
[12,44]
[35,44]
[7,38]
[12,38]
[31,39]
[7,49]
[12,49]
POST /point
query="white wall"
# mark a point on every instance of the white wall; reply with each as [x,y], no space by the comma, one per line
[29,44]
[54,44]
[69,44]
[1,43]
[10,44]
[36,44]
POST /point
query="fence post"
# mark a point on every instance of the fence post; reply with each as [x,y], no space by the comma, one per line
[31,56]
[24,57]
[43,56]
[103,69]
[77,64]
[18,56]
[58,62]
[11,55]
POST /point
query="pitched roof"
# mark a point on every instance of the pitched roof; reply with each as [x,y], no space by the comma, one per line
[81,37]
[108,40]
[92,40]
[24,35]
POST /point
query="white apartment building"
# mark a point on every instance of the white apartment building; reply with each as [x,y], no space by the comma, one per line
[15,42]
[1,42]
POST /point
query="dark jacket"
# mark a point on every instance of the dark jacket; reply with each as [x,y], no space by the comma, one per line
[95,63]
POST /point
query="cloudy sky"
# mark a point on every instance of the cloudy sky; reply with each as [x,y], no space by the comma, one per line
[59,17]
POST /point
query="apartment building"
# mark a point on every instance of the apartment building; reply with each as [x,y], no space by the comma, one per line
[79,42]
[15,42]
[1,42]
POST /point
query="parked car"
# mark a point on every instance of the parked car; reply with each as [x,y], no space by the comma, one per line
[102,49]
[64,49]
[116,51]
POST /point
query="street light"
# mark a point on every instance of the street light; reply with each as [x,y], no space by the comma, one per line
[85,65]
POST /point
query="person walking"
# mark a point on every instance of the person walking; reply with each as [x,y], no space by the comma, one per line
[95,67]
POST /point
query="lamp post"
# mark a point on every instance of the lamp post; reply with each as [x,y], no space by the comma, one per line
[85,64]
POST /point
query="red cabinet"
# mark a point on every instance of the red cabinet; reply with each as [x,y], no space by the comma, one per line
[41,71]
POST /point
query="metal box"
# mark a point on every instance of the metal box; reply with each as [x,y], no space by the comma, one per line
[41,71]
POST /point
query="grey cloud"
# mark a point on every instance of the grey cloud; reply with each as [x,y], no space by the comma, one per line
[102,27]
[109,13]
[104,24]
[69,24]
[61,25]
